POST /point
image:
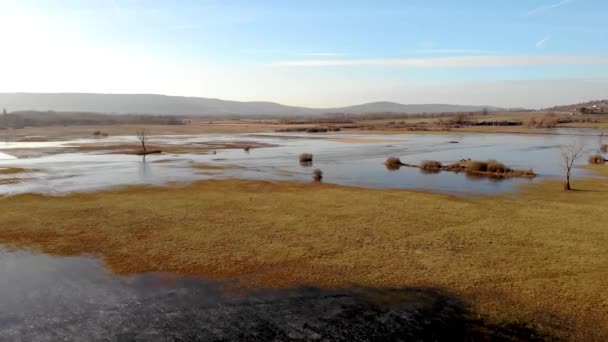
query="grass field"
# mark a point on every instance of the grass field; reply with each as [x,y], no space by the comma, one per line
[538,256]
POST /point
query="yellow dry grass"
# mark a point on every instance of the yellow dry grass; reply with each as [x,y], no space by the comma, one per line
[538,257]
[11,170]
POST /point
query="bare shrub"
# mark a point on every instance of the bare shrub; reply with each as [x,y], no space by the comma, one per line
[393,161]
[604,148]
[430,165]
[317,175]
[305,158]
[596,159]
[316,130]
[477,166]
[97,133]
[496,166]
[548,121]
[531,122]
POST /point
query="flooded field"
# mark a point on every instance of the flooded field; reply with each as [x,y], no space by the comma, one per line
[44,298]
[347,159]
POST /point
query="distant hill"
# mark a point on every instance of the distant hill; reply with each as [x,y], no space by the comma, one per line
[199,106]
[591,107]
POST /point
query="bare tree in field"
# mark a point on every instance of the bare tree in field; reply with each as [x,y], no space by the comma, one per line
[570,153]
[142,136]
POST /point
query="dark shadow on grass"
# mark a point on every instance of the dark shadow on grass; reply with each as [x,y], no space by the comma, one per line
[75,298]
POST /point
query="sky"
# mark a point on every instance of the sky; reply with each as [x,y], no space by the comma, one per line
[316,53]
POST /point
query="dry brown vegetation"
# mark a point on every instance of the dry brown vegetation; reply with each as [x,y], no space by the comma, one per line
[539,259]
[491,168]
[305,158]
[317,175]
[430,165]
[496,166]
[393,161]
[12,170]
[596,159]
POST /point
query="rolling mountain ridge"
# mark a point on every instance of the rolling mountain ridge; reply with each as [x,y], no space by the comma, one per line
[199,106]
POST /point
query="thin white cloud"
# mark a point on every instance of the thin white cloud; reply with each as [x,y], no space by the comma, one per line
[451,51]
[429,44]
[319,54]
[541,43]
[451,62]
[546,7]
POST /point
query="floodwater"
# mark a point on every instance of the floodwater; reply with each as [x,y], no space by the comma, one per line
[355,163]
[46,298]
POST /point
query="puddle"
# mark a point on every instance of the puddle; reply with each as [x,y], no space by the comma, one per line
[356,163]
[45,298]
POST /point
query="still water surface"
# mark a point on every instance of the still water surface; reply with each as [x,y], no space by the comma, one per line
[347,163]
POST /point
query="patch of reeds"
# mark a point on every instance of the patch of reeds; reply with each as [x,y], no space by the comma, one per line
[476,166]
[317,175]
[393,162]
[305,158]
[430,165]
[496,166]
[596,159]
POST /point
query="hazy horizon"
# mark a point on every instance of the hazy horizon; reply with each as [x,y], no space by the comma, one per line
[531,54]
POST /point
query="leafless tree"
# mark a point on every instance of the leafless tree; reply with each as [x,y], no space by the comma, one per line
[570,153]
[142,136]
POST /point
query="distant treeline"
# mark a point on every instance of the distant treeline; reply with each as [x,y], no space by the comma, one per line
[340,118]
[51,118]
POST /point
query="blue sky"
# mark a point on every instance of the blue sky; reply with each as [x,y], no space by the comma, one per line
[531,53]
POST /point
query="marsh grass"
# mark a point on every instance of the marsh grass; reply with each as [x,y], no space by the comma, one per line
[536,257]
